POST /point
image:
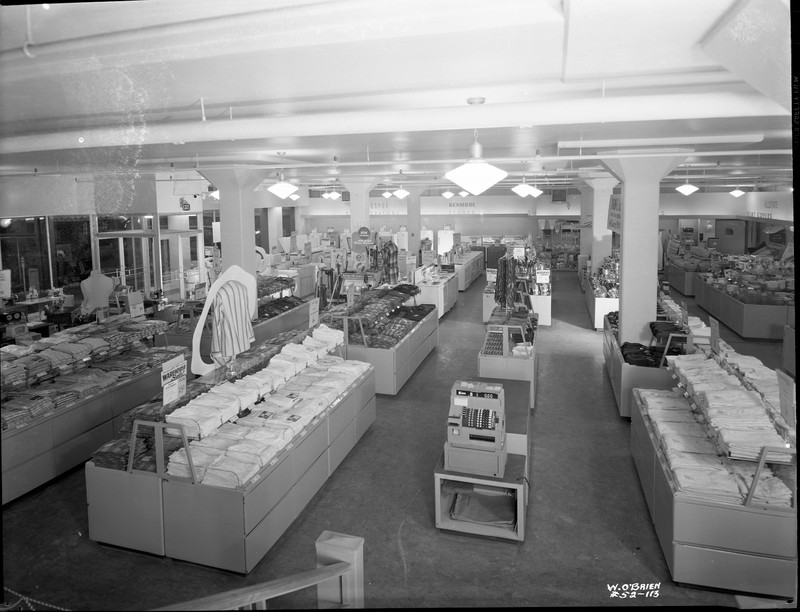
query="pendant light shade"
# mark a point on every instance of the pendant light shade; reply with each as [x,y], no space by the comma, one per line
[387,194]
[282,189]
[737,193]
[476,175]
[523,189]
[334,195]
[400,193]
[448,194]
[686,189]
[463,193]
[294,197]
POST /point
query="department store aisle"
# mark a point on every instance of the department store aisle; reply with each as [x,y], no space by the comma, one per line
[587,522]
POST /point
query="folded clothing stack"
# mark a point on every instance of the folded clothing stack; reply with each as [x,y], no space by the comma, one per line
[35,403]
[114,454]
[331,337]
[770,490]
[77,350]
[97,346]
[12,351]
[58,359]
[12,373]
[198,420]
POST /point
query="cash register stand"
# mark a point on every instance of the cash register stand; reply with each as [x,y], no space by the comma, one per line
[515,480]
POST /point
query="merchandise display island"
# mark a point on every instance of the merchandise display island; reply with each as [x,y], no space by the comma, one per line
[501,502]
[223,527]
[681,279]
[441,291]
[708,542]
[509,347]
[468,267]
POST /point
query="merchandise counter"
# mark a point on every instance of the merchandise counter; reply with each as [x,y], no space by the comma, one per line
[497,357]
[51,445]
[708,542]
[515,482]
[441,292]
[599,307]
[468,268]
[230,529]
[763,321]
[625,377]
[681,280]
[395,365]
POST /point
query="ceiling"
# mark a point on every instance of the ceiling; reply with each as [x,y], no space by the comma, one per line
[332,92]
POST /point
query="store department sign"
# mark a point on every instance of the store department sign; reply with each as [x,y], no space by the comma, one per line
[615,214]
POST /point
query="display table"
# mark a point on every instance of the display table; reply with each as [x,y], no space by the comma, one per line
[542,306]
[515,480]
[468,268]
[496,358]
[763,321]
[710,543]
[599,307]
[442,293]
[681,280]
[625,377]
[51,445]
[230,529]
[394,366]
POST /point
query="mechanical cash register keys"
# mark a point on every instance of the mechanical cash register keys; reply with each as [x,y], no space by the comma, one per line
[476,429]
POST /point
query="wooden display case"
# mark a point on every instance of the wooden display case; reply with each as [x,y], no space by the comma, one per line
[468,268]
[443,294]
[515,480]
[599,307]
[681,280]
[53,444]
[230,529]
[762,321]
[708,543]
[625,377]
[394,366]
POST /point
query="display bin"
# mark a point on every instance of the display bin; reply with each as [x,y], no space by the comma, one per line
[468,268]
[394,366]
[230,529]
[542,306]
[681,280]
[55,443]
[759,321]
[625,377]
[443,294]
[599,307]
[508,365]
[751,549]
[516,478]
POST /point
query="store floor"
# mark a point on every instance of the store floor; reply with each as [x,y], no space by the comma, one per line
[587,522]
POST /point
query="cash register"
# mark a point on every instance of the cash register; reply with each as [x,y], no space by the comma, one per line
[476,429]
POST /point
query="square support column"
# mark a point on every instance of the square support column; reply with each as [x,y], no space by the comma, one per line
[359,201]
[598,193]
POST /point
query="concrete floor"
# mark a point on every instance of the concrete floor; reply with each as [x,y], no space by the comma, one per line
[587,521]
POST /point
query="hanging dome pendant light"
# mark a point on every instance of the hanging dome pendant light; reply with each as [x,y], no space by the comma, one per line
[282,189]
[476,175]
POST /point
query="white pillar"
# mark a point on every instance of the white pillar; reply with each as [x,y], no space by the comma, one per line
[413,218]
[600,191]
[237,215]
[638,269]
[359,201]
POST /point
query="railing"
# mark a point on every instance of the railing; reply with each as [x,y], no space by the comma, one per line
[339,579]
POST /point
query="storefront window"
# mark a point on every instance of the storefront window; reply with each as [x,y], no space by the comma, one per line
[24,251]
[70,246]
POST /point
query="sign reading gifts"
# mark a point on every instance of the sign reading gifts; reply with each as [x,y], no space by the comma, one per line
[173,379]
[615,214]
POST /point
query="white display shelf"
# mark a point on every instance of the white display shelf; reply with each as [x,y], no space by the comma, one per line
[681,280]
[468,268]
[443,294]
[542,306]
[625,377]
[751,549]
[488,302]
[230,529]
[507,365]
[516,478]
[394,366]
[599,307]
[55,443]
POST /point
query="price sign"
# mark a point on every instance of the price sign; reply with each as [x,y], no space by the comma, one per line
[313,313]
[684,313]
[714,325]
[542,276]
[788,397]
[173,379]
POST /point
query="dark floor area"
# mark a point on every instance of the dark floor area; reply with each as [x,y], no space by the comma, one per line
[587,522]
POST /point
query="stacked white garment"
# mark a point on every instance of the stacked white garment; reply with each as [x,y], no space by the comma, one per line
[261,430]
[687,444]
[293,422]
[202,457]
[247,392]
[328,361]
[214,441]
[770,491]
[319,347]
[663,399]
[300,351]
[749,444]
[298,363]
[279,401]
[708,482]
[253,451]
[332,379]
[680,429]
[351,367]
[325,393]
[230,473]
[233,431]
[198,420]
[699,328]
[266,382]
[281,370]
[227,405]
[302,412]
[331,337]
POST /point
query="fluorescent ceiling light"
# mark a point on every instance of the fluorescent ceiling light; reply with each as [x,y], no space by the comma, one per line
[668,141]
[523,189]
[448,194]
[326,195]
[463,193]
[476,175]
[686,189]
[294,196]
[401,193]
[387,194]
[736,193]
[334,195]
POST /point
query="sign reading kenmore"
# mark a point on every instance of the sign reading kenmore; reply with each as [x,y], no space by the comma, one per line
[615,214]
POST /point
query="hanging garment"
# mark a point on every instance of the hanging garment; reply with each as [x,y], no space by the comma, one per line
[232,330]
[391,268]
